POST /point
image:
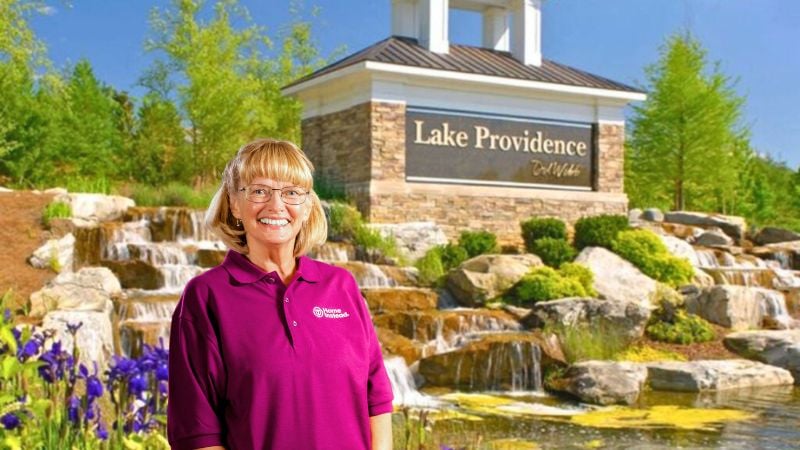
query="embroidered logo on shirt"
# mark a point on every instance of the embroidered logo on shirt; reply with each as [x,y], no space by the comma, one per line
[330,313]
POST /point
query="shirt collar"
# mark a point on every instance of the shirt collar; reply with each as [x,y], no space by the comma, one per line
[245,272]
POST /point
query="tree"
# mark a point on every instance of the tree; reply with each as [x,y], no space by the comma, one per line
[687,146]
[227,89]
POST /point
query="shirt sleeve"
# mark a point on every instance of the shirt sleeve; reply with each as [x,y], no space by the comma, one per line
[196,380]
[379,388]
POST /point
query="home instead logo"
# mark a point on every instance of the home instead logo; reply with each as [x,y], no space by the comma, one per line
[330,313]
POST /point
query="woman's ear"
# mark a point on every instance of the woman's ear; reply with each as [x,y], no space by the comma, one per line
[234,202]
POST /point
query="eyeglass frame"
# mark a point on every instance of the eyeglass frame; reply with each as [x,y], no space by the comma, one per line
[270,189]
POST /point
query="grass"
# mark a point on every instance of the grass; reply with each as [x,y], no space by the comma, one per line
[172,194]
[585,342]
[56,210]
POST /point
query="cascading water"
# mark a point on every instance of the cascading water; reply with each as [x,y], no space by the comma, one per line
[404,387]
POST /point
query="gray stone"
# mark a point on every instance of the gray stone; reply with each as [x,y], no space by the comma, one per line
[779,348]
[774,235]
[400,299]
[786,253]
[334,252]
[733,226]
[653,215]
[55,251]
[56,191]
[137,274]
[96,207]
[634,215]
[628,317]
[696,376]
[712,238]
[615,278]
[485,277]
[95,338]
[605,382]
[89,289]
[736,307]
[413,238]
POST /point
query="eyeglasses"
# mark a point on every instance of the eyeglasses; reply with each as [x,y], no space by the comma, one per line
[258,193]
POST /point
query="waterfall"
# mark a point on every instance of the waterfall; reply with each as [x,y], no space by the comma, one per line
[772,305]
[403,385]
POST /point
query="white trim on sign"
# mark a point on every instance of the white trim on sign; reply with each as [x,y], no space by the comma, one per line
[497,183]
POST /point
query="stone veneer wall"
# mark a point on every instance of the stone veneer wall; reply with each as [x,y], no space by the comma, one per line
[362,149]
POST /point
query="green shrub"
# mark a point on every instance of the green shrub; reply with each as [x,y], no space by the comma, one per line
[545,283]
[596,341]
[430,266]
[538,228]
[452,255]
[477,242]
[327,190]
[371,240]
[553,251]
[56,210]
[343,221]
[581,273]
[99,185]
[171,194]
[684,329]
[645,250]
[599,231]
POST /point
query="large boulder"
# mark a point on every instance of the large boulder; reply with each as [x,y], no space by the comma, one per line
[446,329]
[400,299]
[774,347]
[396,344]
[774,235]
[605,382]
[89,289]
[508,361]
[696,376]
[786,253]
[55,254]
[413,238]
[733,226]
[616,279]
[682,249]
[627,317]
[485,277]
[94,338]
[96,207]
[713,238]
[370,275]
[736,307]
[653,215]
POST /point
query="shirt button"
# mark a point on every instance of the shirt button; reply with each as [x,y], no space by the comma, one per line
[294,322]
[270,280]
[286,300]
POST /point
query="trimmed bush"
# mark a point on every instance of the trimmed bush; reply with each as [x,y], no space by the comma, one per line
[581,273]
[545,283]
[56,210]
[599,231]
[553,251]
[646,251]
[343,221]
[537,228]
[685,328]
[452,255]
[477,242]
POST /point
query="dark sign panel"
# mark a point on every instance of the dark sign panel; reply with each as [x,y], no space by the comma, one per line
[467,148]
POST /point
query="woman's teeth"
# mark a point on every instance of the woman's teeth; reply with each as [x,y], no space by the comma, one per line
[277,222]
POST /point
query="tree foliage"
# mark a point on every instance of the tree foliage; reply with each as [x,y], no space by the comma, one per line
[688,144]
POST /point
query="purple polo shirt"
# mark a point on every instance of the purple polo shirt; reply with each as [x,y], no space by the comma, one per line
[254,364]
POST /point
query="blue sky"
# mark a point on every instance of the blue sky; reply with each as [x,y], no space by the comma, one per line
[755,42]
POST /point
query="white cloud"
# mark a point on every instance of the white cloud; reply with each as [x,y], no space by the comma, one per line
[47,10]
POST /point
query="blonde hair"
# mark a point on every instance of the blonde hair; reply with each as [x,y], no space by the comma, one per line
[276,160]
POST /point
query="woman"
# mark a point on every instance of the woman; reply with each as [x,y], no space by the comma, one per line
[272,349]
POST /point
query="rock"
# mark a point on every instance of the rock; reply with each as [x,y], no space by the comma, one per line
[736,307]
[4,189]
[605,382]
[686,232]
[713,238]
[496,362]
[786,253]
[56,191]
[616,279]
[334,252]
[136,274]
[208,257]
[634,215]
[446,330]
[628,317]
[487,276]
[369,275]
[413,238]
[55,254]
[774,235]
[89,289]
[779,348]
[134,334]
[95,338]
[680,248]
[653,215]
[96,206]
[697,376]
[400,299]
[733,226]
[395,344]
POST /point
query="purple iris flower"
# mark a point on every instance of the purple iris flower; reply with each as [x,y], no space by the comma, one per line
[10,421]
[162,372]
[73,409]
[30,348]
[73,328]
[101,431]
[94,388]
[138,384]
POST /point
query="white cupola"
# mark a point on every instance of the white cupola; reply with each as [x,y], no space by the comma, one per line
[508,25]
